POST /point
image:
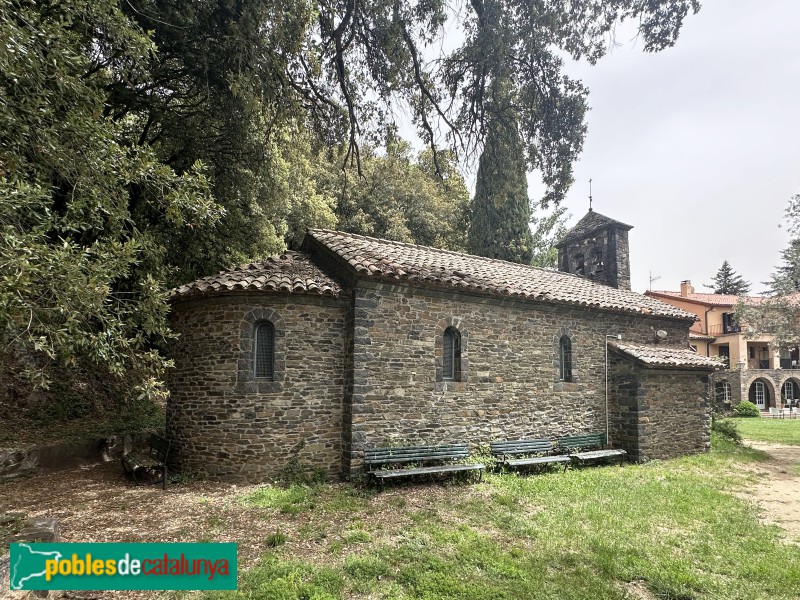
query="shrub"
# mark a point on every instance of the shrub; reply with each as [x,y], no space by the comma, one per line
[746,409]
[726,428]
[276,539]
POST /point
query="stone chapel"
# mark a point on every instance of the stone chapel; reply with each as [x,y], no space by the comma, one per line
[305,359]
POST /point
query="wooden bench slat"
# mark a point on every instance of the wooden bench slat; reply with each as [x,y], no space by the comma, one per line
[374,457]
[424,470]
[540,446]
[596,454]
[535,460]
[521,447]
[156,458]
[581,441]
[416,455]
[583,445]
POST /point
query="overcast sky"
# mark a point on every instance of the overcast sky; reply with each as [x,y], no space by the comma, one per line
[698,146]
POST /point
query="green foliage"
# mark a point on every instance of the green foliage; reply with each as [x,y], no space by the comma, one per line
[275,539]
[547,231]
[500,212]
[233,74]
[290,500]
[403,198]
[786,278]
[726,428]
[778,315]
[80,278]
[746,409]
[727,281]
[145,144]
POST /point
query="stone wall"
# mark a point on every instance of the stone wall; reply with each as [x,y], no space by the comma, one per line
[657,413]
[613,243]
[226,425]
[366,371]
[510,386]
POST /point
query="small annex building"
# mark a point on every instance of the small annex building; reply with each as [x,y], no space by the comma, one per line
[305,359]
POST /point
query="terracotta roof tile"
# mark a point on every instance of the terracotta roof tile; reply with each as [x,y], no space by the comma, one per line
[398,261]
[291,272]
[664,356]
[721,299]
[592,221]
[709,299]
[693,335]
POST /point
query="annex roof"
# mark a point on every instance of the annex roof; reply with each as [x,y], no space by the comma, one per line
[723,299]
[292,272]
[707,299]
[592,221]
[422,265]
[665,357]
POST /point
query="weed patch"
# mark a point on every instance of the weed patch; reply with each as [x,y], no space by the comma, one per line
[290,500]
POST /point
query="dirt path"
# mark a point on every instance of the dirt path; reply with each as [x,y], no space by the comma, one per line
[778,492]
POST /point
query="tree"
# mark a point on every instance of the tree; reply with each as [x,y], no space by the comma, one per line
[341,68]
[778,314]
[400,197]
[786,278]
[500,213]
[547,231]
[149,142]
[80,278]
[727,281]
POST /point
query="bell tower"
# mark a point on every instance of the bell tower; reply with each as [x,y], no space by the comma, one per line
[597,248]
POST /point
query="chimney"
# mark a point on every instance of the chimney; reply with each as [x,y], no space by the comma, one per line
[686,288]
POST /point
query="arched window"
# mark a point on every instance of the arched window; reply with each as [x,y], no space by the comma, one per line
[451,355]
[565,359]
[264,360]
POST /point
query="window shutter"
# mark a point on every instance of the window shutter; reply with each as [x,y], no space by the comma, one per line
[566,359]
[448,356]
[265,351]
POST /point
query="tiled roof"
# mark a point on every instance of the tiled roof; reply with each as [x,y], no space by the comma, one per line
[709,299]
[397,261]
[700,336]
[722,299]
[291,272]
[592,221]
[664,356]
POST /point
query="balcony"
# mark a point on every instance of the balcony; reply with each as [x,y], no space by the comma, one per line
[722,329]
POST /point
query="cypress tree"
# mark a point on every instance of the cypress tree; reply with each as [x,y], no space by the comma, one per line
[500,212]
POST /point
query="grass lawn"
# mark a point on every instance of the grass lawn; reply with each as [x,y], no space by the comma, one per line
[662,530]
[779,431]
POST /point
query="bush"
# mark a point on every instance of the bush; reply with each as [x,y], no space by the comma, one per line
[746,409]
[726,428]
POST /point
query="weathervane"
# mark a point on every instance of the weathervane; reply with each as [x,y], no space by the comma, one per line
[590,195]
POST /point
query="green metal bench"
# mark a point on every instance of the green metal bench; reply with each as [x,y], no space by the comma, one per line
[377,459]
[139,465]
[579,448]
[541,447]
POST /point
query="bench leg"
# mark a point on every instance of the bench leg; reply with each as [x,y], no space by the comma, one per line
[164,479]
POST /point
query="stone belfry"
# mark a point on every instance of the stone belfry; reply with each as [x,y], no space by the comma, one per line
[597,248]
